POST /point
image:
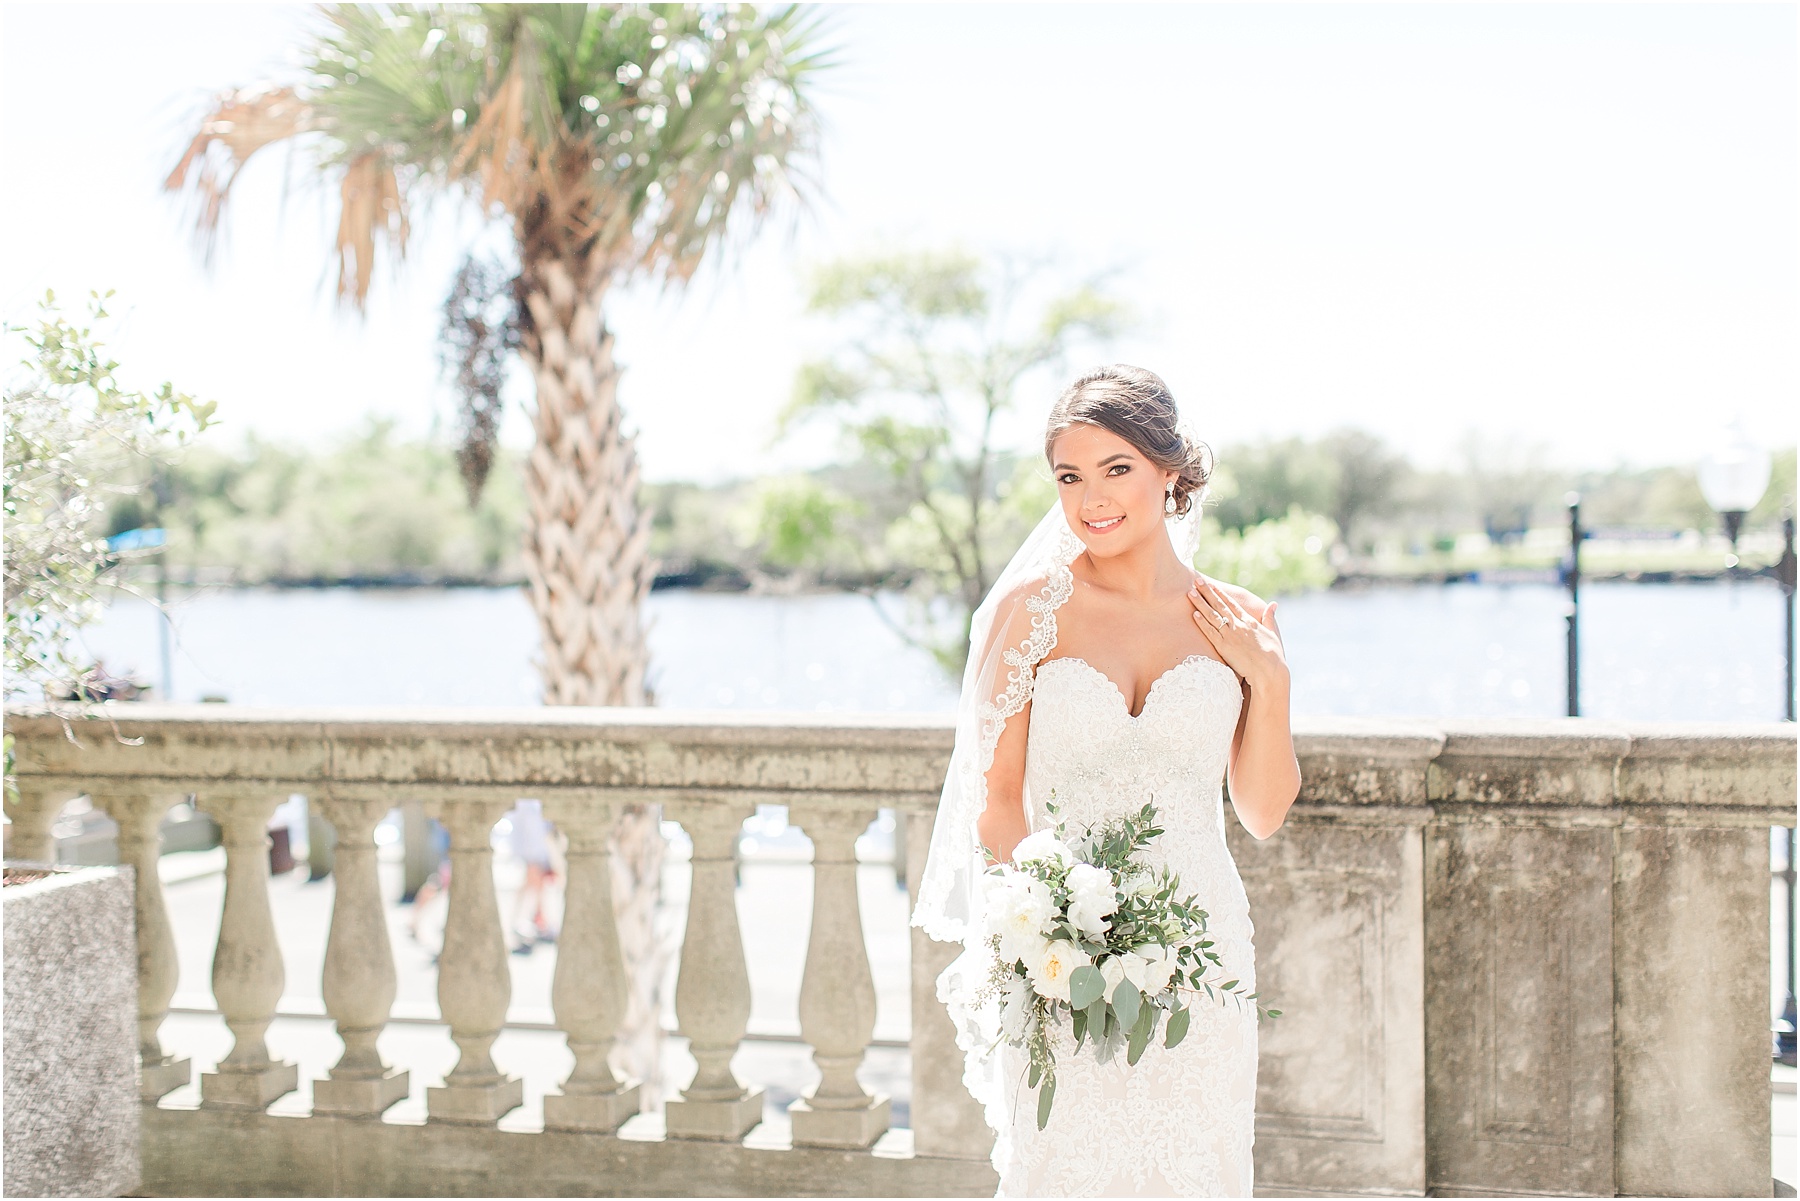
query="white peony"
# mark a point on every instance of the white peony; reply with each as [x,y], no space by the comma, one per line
[1091,898]
[1139,883]
[1150,967]
[1042,845]
[1019,909]
[1050,973]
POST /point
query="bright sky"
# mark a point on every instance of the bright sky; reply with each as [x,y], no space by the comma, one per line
[1571,225]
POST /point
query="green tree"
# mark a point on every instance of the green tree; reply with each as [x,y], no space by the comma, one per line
[1260,481]
[1366,478]
[615,140]
[73,436]
[1278,557]
[934,346]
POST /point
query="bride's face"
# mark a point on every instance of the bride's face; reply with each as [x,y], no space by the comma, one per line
[1111,495]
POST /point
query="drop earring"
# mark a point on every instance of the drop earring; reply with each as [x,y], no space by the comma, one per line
[1169,502]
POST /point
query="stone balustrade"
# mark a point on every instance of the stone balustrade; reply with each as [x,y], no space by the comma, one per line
[1513,957]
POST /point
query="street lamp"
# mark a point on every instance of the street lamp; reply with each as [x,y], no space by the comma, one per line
[1733,477]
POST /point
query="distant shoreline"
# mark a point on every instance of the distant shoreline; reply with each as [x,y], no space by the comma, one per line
[731,582]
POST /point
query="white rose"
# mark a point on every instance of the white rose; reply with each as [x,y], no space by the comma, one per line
[1050,975]
[1112,971]
[1042,845]
[1150,967]
[1140,883]
[1091,898]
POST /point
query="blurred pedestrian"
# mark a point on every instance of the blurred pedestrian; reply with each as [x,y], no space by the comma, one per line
[531,836]
[437,883]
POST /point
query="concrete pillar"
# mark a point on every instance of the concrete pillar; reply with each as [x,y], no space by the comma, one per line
[1691,968]
[359,980]
[589,989]
[474,981]
[946,1120]
[140,814]
[712,992]
[248,974]
[837,993]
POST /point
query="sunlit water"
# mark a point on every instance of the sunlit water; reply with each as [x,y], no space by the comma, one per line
[1649,651]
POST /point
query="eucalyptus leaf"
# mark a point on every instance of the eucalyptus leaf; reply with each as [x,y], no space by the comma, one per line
[1046,1095]
[1086,984]
[1126,1001]
[1178,1028]
[1140,1034]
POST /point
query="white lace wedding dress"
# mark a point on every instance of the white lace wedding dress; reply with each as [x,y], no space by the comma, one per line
[1179,1122]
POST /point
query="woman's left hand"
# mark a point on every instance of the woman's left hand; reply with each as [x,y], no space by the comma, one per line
[1247,642]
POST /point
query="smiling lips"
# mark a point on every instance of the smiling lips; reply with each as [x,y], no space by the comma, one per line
[1102,527]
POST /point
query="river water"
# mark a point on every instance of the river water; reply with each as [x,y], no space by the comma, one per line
[1710,652]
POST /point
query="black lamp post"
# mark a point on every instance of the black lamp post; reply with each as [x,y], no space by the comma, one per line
[1784,573]
[1572,577]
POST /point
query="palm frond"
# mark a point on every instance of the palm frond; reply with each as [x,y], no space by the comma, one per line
[371,207]
[241,123]
[618,138]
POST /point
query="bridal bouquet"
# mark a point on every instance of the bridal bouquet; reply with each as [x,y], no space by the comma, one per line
[1081,926]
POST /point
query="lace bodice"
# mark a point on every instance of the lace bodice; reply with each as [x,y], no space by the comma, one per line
[1179,1122]
[1103,763]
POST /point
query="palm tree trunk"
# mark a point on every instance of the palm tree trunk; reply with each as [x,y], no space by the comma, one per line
[587,563]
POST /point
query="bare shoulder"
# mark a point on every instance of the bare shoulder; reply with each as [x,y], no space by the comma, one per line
[1014,615]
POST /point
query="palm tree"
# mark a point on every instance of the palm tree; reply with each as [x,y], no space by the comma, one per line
[618,141]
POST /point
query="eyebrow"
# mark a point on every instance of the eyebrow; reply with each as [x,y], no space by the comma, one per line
[1101,463]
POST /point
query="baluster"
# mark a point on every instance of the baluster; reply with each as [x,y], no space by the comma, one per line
[712,989]
[359,980]
[589,991]
[247,975]
[837,994]
[946,1120]
[33,814]
[474,981]
[140,814]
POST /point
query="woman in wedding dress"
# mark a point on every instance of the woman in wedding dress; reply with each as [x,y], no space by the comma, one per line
[1104,668]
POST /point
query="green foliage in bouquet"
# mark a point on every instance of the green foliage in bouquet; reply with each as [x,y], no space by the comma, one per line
[1082,927]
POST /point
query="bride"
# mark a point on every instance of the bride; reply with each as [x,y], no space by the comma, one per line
[1103,667]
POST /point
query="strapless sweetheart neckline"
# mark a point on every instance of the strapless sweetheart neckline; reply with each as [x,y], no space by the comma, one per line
[1125,701]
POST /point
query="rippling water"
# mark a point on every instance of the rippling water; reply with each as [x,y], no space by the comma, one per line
[1650,651]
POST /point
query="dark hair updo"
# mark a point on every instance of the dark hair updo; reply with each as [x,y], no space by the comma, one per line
[1135,404]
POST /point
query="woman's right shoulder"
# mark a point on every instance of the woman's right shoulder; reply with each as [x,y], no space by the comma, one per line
[1022,611]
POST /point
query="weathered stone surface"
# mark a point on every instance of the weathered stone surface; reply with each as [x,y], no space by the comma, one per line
[1691,961]
[71,1036]
[222,1154]
[1340,1076]
[1513,956]
[1518,1009]
[1567,761]
[1725,769]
